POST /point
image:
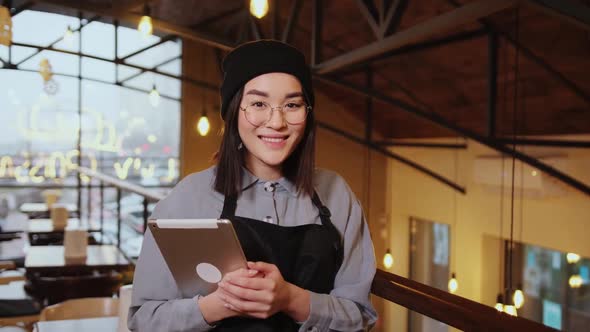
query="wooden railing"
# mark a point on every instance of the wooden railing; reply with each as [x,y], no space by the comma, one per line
[453,310]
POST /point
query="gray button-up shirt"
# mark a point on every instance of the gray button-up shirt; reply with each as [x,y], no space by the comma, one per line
[157,304]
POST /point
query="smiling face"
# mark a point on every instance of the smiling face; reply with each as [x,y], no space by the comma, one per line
[270,144]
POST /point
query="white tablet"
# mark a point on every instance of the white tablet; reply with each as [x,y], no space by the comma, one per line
[198,252]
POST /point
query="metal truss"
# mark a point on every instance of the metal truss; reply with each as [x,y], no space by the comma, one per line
[411,39]
[570,11]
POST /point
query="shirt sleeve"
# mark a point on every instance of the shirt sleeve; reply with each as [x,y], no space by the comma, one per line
[156,304]
[348,306]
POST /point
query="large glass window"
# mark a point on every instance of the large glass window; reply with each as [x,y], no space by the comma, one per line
[555,286]
[429,264]
[123,131]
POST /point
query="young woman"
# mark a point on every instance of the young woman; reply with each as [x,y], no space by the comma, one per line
[311,259]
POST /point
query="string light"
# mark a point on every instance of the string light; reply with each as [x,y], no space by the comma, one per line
[154,97]
[259,8]
[453,284]
[145,26]
[388,259]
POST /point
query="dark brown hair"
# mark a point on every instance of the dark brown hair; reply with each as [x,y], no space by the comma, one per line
[297,168]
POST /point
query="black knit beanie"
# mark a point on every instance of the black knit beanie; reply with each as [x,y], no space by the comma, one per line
[260,57]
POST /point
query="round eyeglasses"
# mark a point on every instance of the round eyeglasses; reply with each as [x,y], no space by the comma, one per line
[260,112]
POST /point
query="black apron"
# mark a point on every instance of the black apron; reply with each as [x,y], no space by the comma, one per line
[308,256]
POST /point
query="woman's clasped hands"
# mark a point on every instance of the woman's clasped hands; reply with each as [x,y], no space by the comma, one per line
[259,292]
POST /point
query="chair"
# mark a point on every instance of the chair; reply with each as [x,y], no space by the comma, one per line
[91,307]
[16,308]
[10,273]
[55,289]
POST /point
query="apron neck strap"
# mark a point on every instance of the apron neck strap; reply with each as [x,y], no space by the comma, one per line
[230,203]
[229,207]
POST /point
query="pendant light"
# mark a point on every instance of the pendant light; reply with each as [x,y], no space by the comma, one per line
[510,307]
[572,258]
[259,8]
[388,259]
[203,125]
[68,37]
[453,283]
[145,26]
[154,97]
[575,281]
[518,297]
[499,303]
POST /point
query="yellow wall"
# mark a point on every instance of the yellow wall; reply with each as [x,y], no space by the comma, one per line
[556,221]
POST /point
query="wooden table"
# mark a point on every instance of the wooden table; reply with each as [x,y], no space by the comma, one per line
[40,210]
[50,260]
[41,231]
[45,226]
[102,324]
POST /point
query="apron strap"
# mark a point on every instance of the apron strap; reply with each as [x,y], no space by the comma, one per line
[229,207]
[325,218]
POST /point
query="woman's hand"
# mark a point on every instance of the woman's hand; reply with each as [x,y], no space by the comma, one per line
[213,307]
[264,294]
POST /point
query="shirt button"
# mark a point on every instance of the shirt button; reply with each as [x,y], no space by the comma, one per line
[269,187]
[268,219]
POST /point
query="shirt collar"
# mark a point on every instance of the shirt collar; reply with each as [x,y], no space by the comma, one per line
[249,179]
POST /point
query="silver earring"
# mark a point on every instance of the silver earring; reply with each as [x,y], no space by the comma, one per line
[240,146]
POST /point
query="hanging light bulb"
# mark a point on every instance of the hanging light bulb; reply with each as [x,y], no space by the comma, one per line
[572,258]
[518,297]
[154,97]
[575,281]
[499,303]
[259,8]
[203,125]
[388,259]
[69,36]
[145,26]
[453,284]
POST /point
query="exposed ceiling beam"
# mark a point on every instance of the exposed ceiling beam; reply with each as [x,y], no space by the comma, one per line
[546,143]
[462,146]
[163,26]
[294,14]
[22,8]
[162,40]
[570,11]
[487,24]
[393,17]
[255,27]
[465,14]
[441,121]
[238,11]
[370,13]
[384,151]
[92,19]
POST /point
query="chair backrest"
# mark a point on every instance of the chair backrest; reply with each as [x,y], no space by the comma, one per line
[58,289]
[91,307]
